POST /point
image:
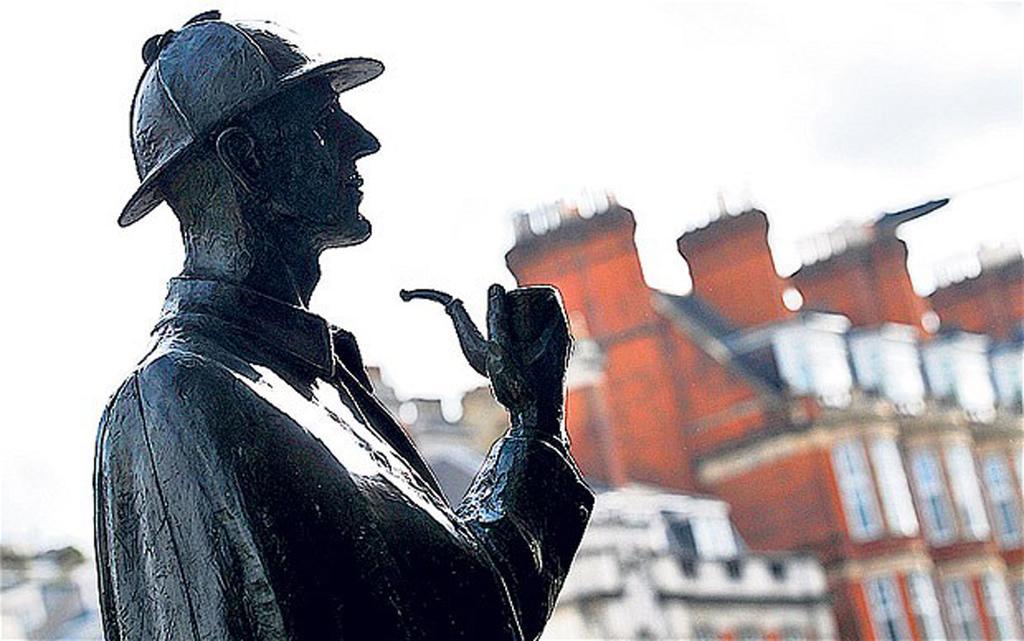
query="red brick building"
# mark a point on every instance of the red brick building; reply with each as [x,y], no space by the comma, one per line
[844,429]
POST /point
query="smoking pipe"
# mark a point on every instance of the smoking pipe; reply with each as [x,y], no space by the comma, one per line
[472,342]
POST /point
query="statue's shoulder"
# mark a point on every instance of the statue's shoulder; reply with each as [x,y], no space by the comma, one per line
[191,376]
[178,394]
[171,379]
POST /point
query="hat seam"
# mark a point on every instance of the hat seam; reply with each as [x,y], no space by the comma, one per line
[174,103]
[263,54]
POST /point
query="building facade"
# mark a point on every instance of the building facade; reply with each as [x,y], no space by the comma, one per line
[836,411]
[654,565]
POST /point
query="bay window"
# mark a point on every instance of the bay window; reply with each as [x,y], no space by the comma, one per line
[997,604]
[932,497]
[1002,499]
[887,614]
[963,478]
[893,488]
[963,615]
[857,490]
[924,604]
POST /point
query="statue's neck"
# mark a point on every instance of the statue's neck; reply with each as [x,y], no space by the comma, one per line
[252,251]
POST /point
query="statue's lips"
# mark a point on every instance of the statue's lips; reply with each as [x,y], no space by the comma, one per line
[353,181]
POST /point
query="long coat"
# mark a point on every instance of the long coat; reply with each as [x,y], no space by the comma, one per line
[249,486]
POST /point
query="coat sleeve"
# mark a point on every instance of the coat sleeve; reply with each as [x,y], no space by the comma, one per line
[529,506]
[176,556]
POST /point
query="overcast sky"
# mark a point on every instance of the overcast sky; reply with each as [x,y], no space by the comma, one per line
[816,114]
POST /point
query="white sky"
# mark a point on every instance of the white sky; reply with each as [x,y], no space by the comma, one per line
[817,114]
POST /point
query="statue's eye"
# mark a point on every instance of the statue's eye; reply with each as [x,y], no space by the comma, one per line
[324,123]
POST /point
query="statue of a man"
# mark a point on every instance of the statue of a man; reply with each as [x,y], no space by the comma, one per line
[248,485]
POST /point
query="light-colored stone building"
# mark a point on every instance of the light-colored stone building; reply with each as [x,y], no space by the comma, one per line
[656,565]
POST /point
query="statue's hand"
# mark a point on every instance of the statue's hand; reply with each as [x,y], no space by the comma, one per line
[527,355]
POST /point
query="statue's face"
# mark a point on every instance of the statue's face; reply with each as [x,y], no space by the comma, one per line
[308,148]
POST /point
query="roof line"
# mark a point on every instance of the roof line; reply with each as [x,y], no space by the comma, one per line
[710,344]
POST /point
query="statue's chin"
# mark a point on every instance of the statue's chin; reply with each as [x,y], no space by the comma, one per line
[355,233]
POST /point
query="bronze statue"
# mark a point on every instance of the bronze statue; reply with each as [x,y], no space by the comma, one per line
[248,485]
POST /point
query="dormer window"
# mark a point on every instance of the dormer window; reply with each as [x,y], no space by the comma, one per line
[1008,374]
[886,361]
[707,536]
[811,358]
[957,368]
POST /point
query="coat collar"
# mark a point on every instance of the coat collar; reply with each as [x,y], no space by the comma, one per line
[281,326]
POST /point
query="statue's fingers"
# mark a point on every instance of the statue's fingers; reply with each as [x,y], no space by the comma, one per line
[497,316]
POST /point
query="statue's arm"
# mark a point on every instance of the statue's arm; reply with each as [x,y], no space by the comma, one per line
[529,504]
[175,553]
[529,507]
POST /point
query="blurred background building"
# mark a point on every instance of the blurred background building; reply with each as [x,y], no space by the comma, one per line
[657,565]
[48,595]
[819,456]
[838,413]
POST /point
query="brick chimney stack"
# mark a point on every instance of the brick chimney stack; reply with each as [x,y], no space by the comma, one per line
[732,268]
[860,271]
[991,302]
[624,423]
[593,261]
[866,280]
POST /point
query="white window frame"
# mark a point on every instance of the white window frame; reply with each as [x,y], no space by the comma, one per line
[893,487]
[888,616]
[924,606]
[998,606]
[714,537]
[1002,499]
[857,490]
[932,497]
[963,478]
[964,622]
[813,361]
[886,360]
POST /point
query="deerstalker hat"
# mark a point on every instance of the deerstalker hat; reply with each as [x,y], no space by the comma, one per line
[201,76]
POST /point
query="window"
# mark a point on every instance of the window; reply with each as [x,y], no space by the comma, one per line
[963,616]
[966,491]
[857,490]
[931,494]
[734,569]
[812,360]
[886,610]
[957,367]
[1006,372]
[886,361]
[681,535]
[778,570]
[893,488]
[1001,498]
[924,605]
[997,604]
[714,537]
[689,566]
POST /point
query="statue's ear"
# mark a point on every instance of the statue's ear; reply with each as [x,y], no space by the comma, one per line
[236,150]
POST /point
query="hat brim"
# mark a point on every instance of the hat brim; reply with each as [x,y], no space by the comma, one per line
[343,75]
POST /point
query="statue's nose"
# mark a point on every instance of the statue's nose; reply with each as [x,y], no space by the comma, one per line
[361,142]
